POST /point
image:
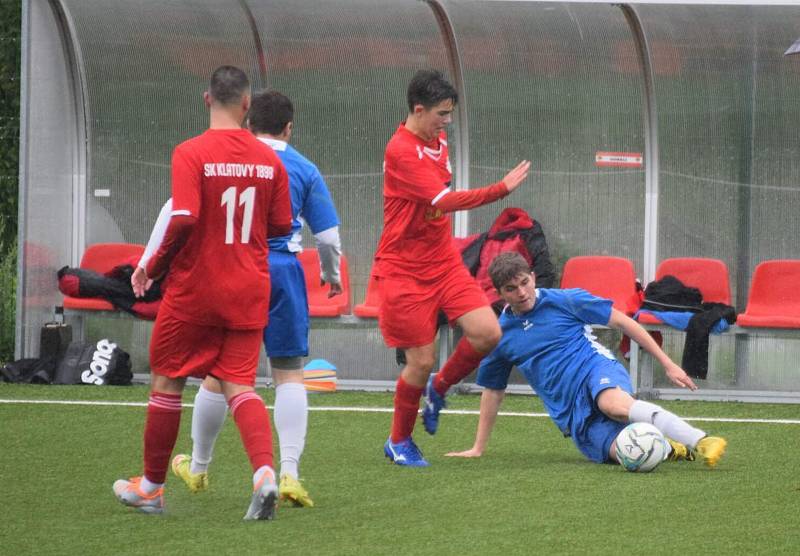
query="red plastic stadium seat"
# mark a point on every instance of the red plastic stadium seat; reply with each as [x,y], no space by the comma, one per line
[609,277]
[774,299]
[102,257]
[710,276]
[319,304]
[369,309]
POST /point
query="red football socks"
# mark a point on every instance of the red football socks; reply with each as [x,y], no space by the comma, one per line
[160,434]
[406,407]
[251,417]
[463,361]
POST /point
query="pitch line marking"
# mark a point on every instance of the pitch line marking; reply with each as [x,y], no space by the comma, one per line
[390,410]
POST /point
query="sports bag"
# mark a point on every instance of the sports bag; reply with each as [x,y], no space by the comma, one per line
[513,230]
[94,363]
[29,371]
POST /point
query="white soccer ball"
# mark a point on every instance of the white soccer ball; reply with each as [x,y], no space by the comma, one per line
[641,447]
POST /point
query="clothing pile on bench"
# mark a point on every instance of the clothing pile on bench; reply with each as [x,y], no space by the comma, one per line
[682,307]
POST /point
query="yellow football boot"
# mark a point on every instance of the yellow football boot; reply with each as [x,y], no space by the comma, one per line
[711,449]
[182,467]
[679,451]
[290,490]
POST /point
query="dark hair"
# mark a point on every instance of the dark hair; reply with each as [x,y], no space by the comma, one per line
[429,88]
[228,85]
[270,111]
[507,266]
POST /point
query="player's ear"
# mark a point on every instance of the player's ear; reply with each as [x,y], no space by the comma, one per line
[207,99]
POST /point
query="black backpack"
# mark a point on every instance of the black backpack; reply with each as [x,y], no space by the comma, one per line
[94,363]
[29,371]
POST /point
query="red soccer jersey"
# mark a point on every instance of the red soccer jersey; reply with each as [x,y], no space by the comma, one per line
[237,188]
[417,237]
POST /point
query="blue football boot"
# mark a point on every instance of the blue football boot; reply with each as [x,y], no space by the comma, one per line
[434,403]
[404,453]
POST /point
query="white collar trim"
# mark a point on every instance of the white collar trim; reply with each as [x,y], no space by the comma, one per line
[276,144]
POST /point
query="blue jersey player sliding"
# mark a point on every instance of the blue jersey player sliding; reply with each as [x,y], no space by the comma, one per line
[586,391]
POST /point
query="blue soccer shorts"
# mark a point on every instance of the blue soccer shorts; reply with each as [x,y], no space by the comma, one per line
[286,334]
[592,431]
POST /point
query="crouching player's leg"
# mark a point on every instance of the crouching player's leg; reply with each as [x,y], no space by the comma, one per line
[400,446]
[466,305]
[408,317]
[407,320]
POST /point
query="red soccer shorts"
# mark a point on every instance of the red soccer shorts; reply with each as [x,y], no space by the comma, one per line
[409,308]
[181,349]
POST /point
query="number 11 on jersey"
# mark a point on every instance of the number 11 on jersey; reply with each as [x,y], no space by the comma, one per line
[248,199]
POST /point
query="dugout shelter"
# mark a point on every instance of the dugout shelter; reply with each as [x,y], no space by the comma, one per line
[656,130]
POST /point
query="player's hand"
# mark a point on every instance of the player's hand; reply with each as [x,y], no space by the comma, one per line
[336,289]
[516,176]
[140,282]
[678,376]
[471,453]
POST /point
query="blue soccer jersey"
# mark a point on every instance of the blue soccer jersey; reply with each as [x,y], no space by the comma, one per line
[553,346]
[311,200]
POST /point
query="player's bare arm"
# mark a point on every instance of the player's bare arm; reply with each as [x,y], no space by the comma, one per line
[490,405]
[634,330]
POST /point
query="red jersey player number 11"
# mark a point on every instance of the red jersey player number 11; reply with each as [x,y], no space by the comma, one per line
[247,198]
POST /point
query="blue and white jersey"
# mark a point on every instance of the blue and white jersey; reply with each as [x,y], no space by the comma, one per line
[553,346]
[311,200]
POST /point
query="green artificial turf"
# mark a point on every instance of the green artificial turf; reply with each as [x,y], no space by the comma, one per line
[531,492]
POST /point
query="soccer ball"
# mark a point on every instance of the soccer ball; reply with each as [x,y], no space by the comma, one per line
[641,447]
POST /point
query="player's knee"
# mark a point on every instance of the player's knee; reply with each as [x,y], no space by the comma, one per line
[486,338]
[615,403]
[420,364]
[426,364]
[494,335]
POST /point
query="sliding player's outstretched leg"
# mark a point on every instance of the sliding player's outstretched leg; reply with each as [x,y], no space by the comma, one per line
[711,449]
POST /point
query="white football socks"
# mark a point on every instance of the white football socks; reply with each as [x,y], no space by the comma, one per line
[667,422]
[207,420]
[149,487]
[291,422]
